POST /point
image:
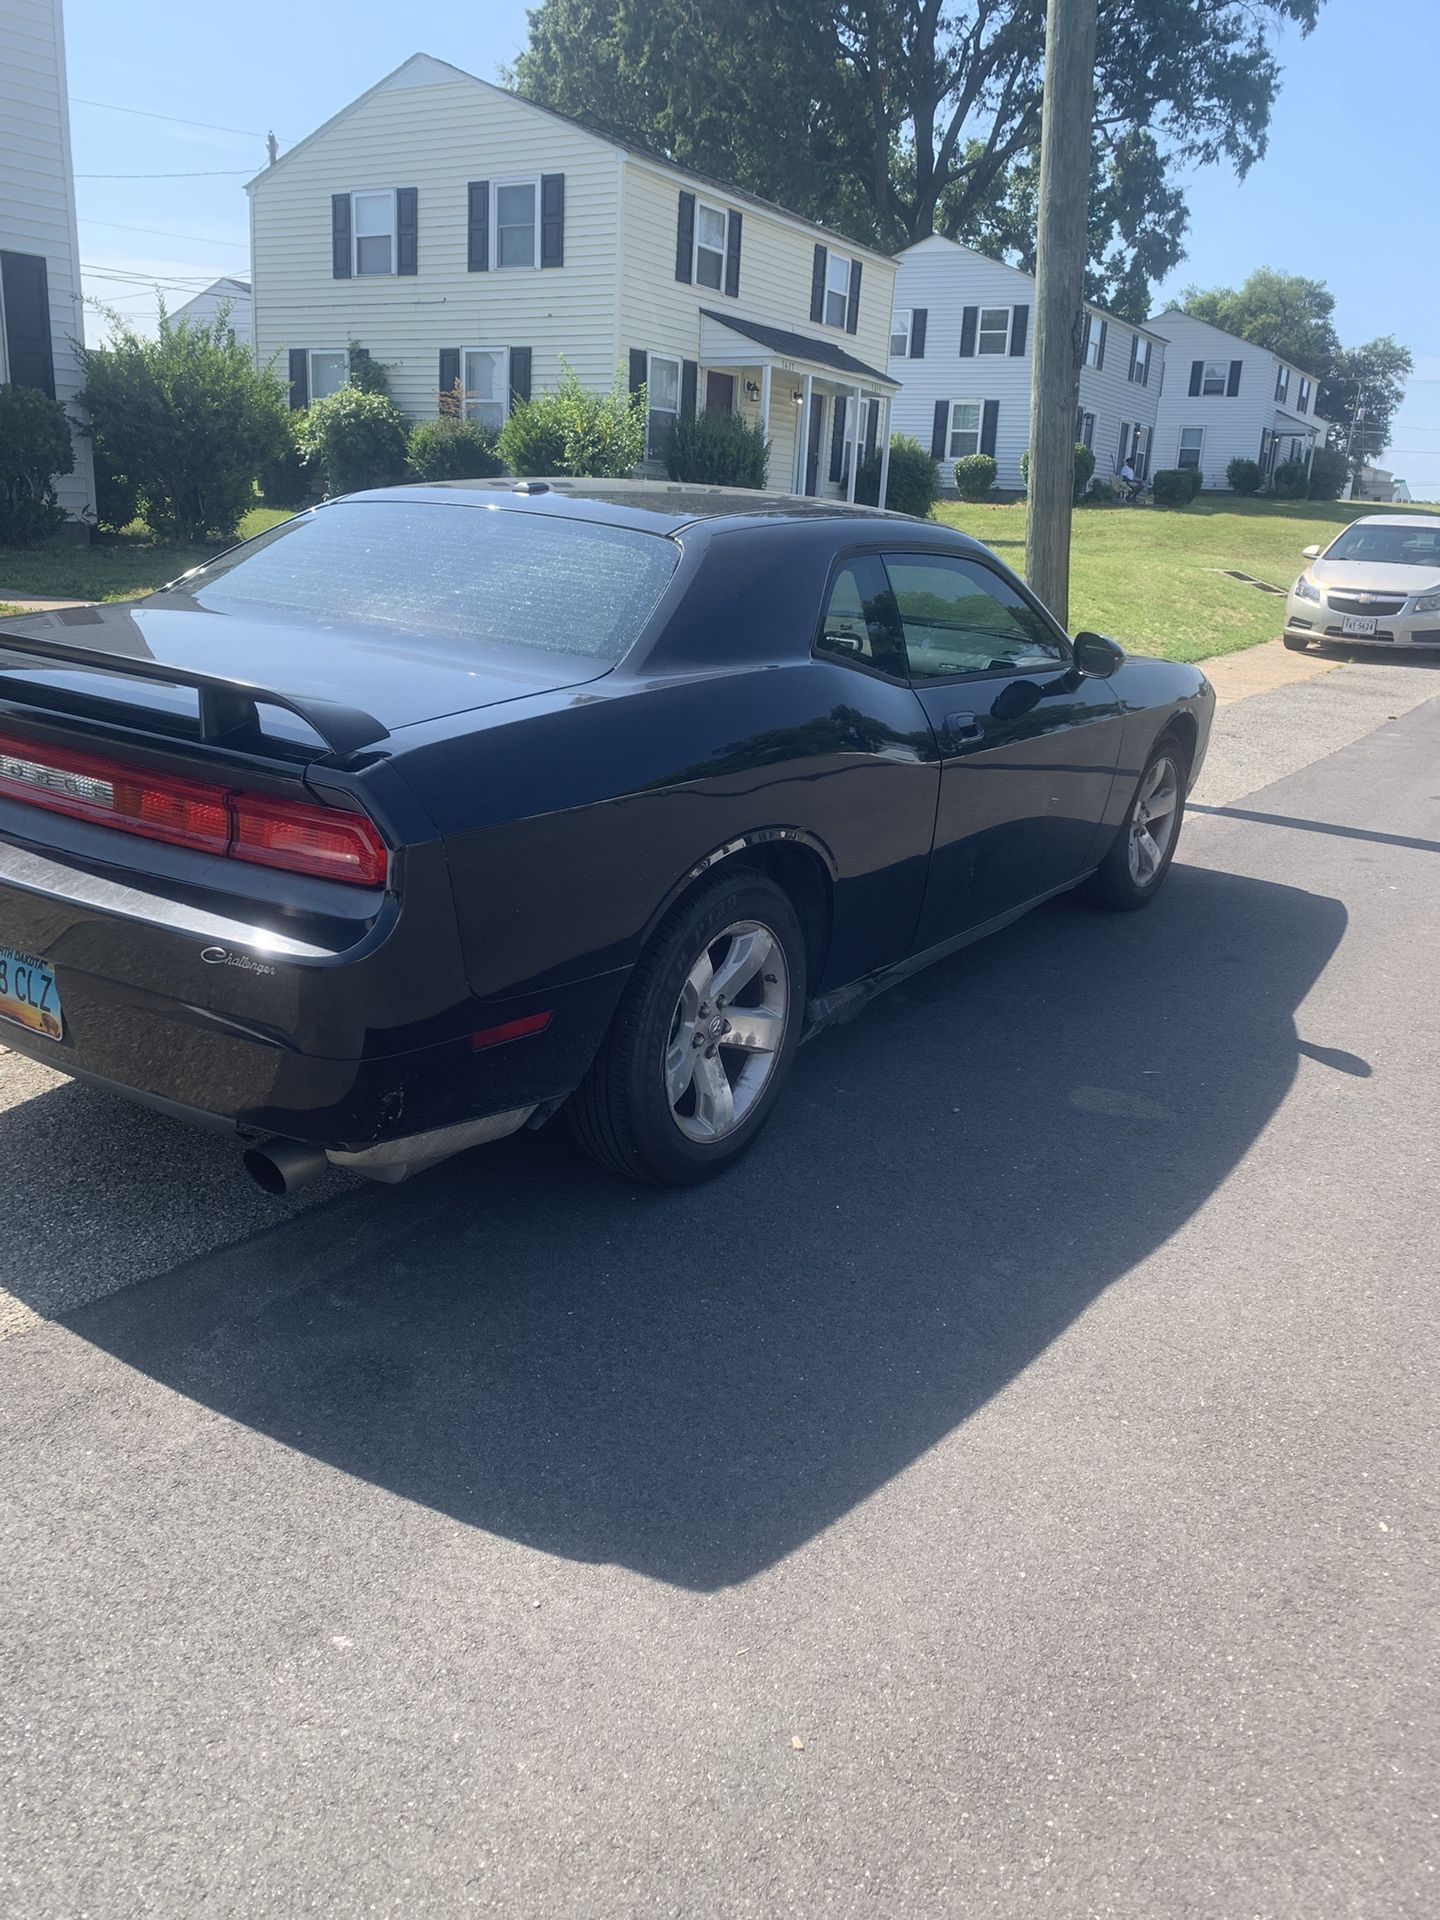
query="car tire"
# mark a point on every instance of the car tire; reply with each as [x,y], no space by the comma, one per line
[669,1099]
[1130,876]
[1294,642]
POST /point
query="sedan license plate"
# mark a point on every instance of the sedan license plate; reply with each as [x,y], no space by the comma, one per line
[1358,623]
[28,993]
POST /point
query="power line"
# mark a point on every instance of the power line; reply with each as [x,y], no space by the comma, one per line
[164,233]
[203,173]
[144,113]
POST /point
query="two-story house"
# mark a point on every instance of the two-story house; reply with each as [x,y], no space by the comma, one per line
[1228,399]
[455,231]
[960,347]
[40,310]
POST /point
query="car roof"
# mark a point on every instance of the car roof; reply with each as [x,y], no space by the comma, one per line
[1396,520]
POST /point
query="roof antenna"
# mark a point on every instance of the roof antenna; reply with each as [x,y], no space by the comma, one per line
[272,146]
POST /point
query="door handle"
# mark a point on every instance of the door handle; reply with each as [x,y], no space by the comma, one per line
[963,726]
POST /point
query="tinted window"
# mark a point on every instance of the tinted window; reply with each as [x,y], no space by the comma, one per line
[859,622]
[959,617]
[464,573]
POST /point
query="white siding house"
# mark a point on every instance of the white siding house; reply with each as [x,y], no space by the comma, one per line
[961,349]
[454,231]
[1226,399]
[233,295]
[40,314]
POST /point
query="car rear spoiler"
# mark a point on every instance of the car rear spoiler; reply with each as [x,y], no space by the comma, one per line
[229,709]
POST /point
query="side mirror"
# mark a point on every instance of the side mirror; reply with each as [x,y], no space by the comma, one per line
[1309,553]
[1097,655]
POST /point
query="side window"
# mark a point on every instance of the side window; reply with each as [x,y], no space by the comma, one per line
[858,625]
[959,617]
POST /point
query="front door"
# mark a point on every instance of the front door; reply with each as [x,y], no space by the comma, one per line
[719,393]
[1028,747]
[814,441]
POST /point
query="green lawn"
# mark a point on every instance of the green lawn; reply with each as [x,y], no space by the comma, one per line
[1143,574]
[112,567]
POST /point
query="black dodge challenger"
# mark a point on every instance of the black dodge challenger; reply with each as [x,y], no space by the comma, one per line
[438,809]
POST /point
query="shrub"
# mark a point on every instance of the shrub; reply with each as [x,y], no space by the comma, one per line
[1329,471]
[285,480]
[1084,468]
[718,450]
[453,449]
[117,498]
[370,376]
[188,421]
[532,439]
[353,440]
[912,485]
[1289,480]
[596,436]
[1243,476]
[1101,492]
[974,476]
[35,447]
[1173,487]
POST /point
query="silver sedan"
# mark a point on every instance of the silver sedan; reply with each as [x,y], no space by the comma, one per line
[1376,584]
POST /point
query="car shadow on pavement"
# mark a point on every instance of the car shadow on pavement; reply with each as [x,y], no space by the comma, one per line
[693,1384]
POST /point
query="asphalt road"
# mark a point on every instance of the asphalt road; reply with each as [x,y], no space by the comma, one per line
[1012,1492]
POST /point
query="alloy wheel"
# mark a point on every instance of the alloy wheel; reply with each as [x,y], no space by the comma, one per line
[727,1031]
[1153,821]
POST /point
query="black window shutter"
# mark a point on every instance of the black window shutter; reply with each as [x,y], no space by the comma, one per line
[340,236]
[552,219]
[1232,385]
[299,379]
[478,227]
[1134,351]
[969,320]
[1197,374]
[837,437]
[685,239]
[732,255]
[449,378]
[25,281]
[817,286]
[689,380]
[872,427]
[639,367]
[939,430]
[917,332]
[1019,328]
[519,374]
[406,234]
[1100,350]
[989,420]
[852,312]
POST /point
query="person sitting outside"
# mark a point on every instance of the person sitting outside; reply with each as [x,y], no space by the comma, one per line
[1134,487]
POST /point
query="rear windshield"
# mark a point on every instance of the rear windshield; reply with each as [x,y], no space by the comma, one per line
[468,574]
[1392,546]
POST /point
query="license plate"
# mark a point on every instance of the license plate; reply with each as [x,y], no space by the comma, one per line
[28,994]
[1357,623]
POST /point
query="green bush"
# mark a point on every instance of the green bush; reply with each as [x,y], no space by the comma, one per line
[597,436]
[1173,487]
[718,450]
[1243,476]
[532,439]
[285,480]
[354,440]
[370,376]
[35,448]
[1084,468]
[188,421]
[912,485]
[453,449]
[1329,470]
[1101,492]
[974,476]
[117,498]
[1289,480]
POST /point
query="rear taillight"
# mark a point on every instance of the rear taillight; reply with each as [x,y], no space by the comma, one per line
[299,836]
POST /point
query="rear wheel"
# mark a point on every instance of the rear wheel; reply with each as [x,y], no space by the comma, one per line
[1132,872]
[703,1039]
[1295,642]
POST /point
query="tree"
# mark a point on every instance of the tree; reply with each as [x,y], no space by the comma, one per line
[893,119]
[1361,392]
[1282,311]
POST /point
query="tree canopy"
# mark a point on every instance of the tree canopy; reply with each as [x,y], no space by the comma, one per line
[1360,395]
[894,119]
[1282,311]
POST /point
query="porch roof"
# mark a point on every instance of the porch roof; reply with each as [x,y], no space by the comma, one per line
[1295,423]
[821,356]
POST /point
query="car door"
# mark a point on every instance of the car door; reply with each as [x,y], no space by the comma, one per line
[1028,745]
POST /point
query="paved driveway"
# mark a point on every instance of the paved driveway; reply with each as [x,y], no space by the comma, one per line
[1010,1492]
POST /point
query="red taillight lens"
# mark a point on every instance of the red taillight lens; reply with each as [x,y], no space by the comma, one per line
[296,835]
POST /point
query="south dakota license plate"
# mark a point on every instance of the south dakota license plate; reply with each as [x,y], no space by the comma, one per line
[28,993]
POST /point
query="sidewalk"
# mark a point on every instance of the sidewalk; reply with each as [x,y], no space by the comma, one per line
[28,604]
[1235,676]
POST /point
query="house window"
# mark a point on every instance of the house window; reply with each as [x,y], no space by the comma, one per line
[1192,439]
[709,247]
[1086,434]
[329,371]
[1282,385]
[1213,379]
[1125,432]
[662,386]
[900,335]
[964,428]
[514,205]
[994,330]
[487,385]
[1140,371]
[1302,399]
[837,289]
[1092,341]
[372,222]
[1140,458]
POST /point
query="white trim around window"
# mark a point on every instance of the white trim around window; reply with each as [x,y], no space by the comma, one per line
[1214,377]
[1140,371]
[712,228]
[515,228]
[1302,397]
[374,248]
[334,376]
[1282,386]
[963,436]
[839,269]
[485,383]
[662,401]
[992,335]
[900,334]
[1191,452]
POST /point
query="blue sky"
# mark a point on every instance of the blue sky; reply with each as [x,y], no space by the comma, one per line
[1347,192]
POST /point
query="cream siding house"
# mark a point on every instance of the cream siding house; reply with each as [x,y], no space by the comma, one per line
[40,309]
[233,296]
[454,231]
[1226,399]
[961,349]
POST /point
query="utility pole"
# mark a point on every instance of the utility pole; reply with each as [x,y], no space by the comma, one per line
[1060,249]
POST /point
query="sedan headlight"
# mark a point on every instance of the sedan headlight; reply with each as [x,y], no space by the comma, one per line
[1305,591]
[1427,602]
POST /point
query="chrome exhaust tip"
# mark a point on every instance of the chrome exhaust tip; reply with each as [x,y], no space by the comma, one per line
[283,1166]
